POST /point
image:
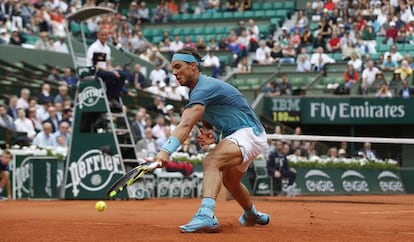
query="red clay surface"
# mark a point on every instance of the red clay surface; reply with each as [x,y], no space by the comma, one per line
[332,218]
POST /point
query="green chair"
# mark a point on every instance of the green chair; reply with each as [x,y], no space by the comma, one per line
[267,5]
[209,30]
[259,13]
[270,13]
[217,15]
[289,5]
[278,5]
[256,6]
[249,14]
[238,15]
[228,15]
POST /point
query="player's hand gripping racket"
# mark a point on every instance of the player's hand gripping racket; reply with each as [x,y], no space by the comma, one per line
[130,177]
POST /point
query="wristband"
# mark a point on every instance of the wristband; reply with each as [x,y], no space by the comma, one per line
[171,145]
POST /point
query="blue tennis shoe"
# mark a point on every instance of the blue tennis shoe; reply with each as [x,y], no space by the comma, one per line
[252,217]
[201,223]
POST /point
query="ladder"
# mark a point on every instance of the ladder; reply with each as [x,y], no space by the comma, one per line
[119,125]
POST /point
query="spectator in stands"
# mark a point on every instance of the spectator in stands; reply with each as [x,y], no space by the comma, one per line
[5,182]
[55,76]
[245,5]
[356,61]
[303,61]
[253,32]
[278,166]
[212,61]
[45,96]
[158,129]
[53,119]
[42,112]
[70,79]
[236,50]
[45,138]
[184,7]
[325,29]
[320,59]
[173,7]
[333,154]
[162,139]
[406,91]
[67,115]
[284,85]
[384,91]
[347,51]
[402,37]
[271,89]
[143,13]
[319,42]
[162,13]
[391,33]
[43,43]
[351,76]
[395,55]
[213,45]
[223,43]
[132,13]
[389,64]
[158,74]
[156,107]
[63,131]
[176,45]
[306,37]
[99,56]
[334,45]
[405,71]
[368,77]
[137,78]
[138,126]
[261,51]
[62,95]
[289,53]
[244,65]
[5,119]
[147,144]
[23,101]
[188,42]
[232,5]
[16,39]
[60,45]
[201,45]
[367,153]
[12,108]
[213,6]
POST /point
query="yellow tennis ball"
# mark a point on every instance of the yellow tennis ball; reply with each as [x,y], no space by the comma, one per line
[100,206]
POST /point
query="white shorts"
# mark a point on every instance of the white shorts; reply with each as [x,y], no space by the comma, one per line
[250,145]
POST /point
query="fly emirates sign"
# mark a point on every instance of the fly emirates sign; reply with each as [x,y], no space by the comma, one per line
[342,111]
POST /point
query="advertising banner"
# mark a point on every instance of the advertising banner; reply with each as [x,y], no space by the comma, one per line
[339,181]
[355,111]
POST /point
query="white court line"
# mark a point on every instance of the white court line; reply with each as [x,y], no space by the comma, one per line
[387,212]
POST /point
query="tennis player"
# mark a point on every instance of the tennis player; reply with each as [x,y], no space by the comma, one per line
[230,122]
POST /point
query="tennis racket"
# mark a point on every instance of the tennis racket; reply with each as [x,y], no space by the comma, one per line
[130,177]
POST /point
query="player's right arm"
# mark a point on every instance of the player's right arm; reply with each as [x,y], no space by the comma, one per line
[189,118]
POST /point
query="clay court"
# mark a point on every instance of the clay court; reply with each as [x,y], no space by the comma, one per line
[316,218]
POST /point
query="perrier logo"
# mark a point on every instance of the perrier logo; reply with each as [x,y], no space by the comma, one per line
[93,171]
[90,96]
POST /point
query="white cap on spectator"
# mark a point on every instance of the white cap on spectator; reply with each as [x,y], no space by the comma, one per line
[339,19]
[392,23]
[411,19]
[2,31]
[325,10]
[378,2]
[340,25]
[169,107]
[284,28]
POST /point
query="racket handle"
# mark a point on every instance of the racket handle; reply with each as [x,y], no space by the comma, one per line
[154,165]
